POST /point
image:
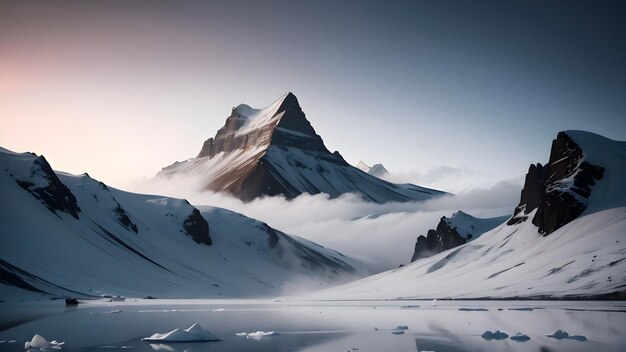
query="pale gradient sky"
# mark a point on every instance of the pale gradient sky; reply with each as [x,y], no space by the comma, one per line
[452,95]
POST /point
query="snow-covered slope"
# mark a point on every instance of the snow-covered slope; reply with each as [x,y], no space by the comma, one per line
[72,235]
[452,232]
[583,257]
[276,151]
[377,170]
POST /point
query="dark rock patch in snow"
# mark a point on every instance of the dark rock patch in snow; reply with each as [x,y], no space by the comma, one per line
[54,195]
[197,227]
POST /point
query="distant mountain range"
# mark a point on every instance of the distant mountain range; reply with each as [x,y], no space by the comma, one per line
[276,152]
[566,239]
[71,235]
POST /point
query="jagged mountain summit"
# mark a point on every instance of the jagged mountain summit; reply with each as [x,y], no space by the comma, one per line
[276,152]
[377,170]
[574,246]
[452,232]
[71,235]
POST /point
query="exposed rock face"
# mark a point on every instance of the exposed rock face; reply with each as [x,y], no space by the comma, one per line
[276,152]
[44,185]
[558,190]
[437,241]
[452,232]
[197,227]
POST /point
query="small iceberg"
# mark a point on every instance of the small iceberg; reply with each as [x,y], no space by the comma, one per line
[258,334]
[39,341]
[519,337]
[117,298]
[497,335]
[560,335]
[195,333]
[434,302]
[402,327]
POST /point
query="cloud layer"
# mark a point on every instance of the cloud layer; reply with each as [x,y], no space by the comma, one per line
[380,234]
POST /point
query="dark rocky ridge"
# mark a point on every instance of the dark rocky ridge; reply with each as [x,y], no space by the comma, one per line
[557,202]
[55,195]
[436,241]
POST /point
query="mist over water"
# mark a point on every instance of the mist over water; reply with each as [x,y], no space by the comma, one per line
[383,235]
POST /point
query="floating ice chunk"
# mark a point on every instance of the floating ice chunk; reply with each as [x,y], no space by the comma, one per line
[195,333]
[277,300]
[559,335]
[434,302]
[258,334]
[519,337]
[397,332]
[497,335]
[219,310]
[112,311]
[39,341]
[402,327]
[473,309]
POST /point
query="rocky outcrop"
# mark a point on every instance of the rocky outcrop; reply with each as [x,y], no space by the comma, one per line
[197,228]
[44,185]
[558,190]
[436,241]
[276,152]
[454,231]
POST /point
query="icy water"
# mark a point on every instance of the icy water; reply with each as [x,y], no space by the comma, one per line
[320,325]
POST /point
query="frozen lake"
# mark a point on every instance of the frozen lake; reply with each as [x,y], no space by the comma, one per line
[320,325]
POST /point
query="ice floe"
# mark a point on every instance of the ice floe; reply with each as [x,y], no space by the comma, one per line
[257,334]
[497,335]
[560,334]
[39,341]
[194,333]
[519,337]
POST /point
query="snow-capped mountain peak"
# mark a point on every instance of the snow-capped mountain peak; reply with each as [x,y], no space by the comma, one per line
[275,151]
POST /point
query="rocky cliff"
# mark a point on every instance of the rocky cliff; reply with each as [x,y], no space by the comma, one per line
[558,190]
